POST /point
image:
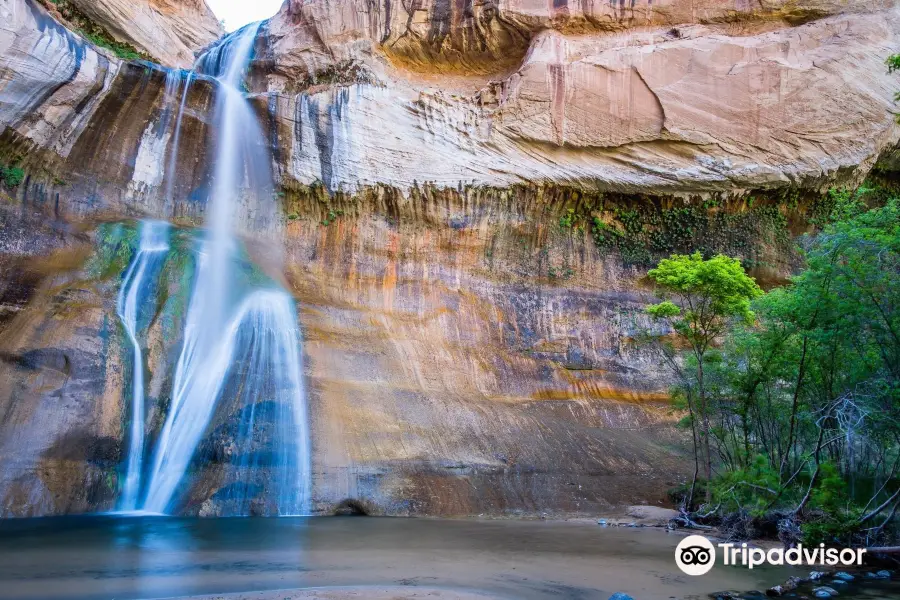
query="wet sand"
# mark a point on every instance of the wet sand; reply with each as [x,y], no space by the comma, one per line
[342,558]
[367,593]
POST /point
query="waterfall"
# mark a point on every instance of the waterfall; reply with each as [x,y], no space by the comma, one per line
[154,246]
[266,336]
[173,80]
[172,169]
[227,326]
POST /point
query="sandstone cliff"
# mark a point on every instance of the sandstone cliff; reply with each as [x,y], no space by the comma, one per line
[734,97]
[170,31]
[469,198]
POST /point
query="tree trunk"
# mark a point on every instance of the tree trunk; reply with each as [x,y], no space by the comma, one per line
[790,440]
[706,429]
[690,499]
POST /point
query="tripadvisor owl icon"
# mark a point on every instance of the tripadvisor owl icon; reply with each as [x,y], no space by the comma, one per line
[695,555]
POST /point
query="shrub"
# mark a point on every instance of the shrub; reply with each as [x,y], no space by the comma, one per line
[568,220]
[12,176]
[750,489]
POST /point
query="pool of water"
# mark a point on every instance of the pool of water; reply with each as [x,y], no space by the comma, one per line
[110,557]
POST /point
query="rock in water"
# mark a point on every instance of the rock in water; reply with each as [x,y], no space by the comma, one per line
[779,590]
[825,590]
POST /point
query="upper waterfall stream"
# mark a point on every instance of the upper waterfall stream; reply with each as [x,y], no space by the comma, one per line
[240,359]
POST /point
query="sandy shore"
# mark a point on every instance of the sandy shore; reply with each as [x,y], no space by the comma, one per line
[353,593]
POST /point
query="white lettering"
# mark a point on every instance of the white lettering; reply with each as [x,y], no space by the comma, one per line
[793,556]
[725,554]
[775,556]
[757,557]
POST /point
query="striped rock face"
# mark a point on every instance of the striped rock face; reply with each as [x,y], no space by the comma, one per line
[170,31]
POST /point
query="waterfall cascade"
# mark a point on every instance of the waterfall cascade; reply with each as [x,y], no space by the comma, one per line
[240,359]
[154,245]
[172,168]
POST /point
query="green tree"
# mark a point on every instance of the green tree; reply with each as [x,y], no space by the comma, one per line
[705,296]
[813,384]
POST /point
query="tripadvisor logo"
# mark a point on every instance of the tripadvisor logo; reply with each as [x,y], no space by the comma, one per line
[696,555]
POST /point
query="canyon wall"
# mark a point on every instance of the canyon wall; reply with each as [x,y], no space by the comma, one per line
[167,31]
[468,200]
[666,110]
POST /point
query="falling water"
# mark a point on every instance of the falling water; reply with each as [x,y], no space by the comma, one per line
[272,434]
[154,246]
[173,80]
[256,331]
[172,169]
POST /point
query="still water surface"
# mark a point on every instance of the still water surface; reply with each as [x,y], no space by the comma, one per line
[88,558]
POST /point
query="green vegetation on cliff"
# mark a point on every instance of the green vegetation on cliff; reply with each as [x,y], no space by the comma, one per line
[646,231]
[97,35]
[11,175]
[893,63]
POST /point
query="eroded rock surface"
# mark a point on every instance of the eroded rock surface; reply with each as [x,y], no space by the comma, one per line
[467,37]
[171,31]
[687,110]
[682,110]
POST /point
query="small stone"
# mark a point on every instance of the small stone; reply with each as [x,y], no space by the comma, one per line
[828,590]
[775,591]
[821,594]
[602,522]
[620,596]
[817,575]
[792,583]
[883,574]
[844,576]
[838,582]
[727,596]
